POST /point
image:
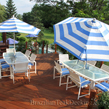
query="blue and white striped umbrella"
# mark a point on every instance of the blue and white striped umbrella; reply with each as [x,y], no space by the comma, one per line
[85,38]
[15,25]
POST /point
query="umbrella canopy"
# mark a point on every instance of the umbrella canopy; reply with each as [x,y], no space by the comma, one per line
[31,35]
[15,25]
[11,41]
[85,38]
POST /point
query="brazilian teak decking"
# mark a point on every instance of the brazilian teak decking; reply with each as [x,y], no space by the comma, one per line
[43,92]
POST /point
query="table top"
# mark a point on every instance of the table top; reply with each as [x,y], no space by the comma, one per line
[19,57]
[93,73]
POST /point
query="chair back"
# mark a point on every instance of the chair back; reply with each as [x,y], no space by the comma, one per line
[33,57]
[75,77]
[105,67]
[92,62]
[10,50]
[20,67]
[58,67]
[27,53]
[63,57]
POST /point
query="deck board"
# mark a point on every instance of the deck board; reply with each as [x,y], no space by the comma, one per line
[42,92]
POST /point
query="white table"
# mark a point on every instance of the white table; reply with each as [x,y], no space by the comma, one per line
[12,59]
[94,74]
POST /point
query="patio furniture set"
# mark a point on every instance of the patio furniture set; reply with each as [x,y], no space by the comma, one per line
[17,62]
[77,73]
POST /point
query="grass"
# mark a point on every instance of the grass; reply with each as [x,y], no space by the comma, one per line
[49,36]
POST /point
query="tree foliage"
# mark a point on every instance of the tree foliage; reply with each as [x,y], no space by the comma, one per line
[27,17]
[2,13]
[50,14]
[10,9]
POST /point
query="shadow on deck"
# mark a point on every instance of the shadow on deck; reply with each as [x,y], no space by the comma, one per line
[42,92]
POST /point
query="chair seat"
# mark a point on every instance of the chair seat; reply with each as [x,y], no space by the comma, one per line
[65,71]
[30,63]
[5,66]
[2,60]
[101,87]
[60,63]
[82,80]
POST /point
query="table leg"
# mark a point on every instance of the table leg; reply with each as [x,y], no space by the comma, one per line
[92,85]
[10,71]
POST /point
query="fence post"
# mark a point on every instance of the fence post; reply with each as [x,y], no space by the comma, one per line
[4,37]
[102,62]
[47,48]
[43,47]
[26,45]
[91,99]
[8,43]
[55,48]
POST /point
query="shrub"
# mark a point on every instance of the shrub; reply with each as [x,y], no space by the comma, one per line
[103,100]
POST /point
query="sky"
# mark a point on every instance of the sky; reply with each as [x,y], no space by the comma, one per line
[23,6]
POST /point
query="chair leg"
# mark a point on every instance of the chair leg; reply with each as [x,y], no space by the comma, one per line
[29,75]
[79,92]
[26,73]
[67,82]
[13,78]
[0,74]
[11,75]
[60,80]
[54,73]
[35,67]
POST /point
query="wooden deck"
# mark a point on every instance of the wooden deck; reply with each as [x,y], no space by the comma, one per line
[43,92]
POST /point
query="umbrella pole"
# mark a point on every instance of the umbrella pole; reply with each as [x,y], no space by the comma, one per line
[86,67]
[14,42]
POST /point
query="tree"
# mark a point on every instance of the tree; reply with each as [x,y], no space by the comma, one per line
[19,16]
[2,13]
[36,19]
[27,17]
[10,9]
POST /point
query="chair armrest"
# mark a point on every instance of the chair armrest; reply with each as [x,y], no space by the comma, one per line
[84,81]
[64,70]
[102,85]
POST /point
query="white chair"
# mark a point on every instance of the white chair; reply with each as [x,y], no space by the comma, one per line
[103,86]
[4,67]
[105,67]
[62,71]
[63,57]
[32,61]
[91,62]
[10,50]
[20,68]
[79,81]
[27,53]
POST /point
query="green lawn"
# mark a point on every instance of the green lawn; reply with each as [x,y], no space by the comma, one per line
[49,36]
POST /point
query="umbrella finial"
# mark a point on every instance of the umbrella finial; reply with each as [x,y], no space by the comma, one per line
[94,20]
[13,16]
